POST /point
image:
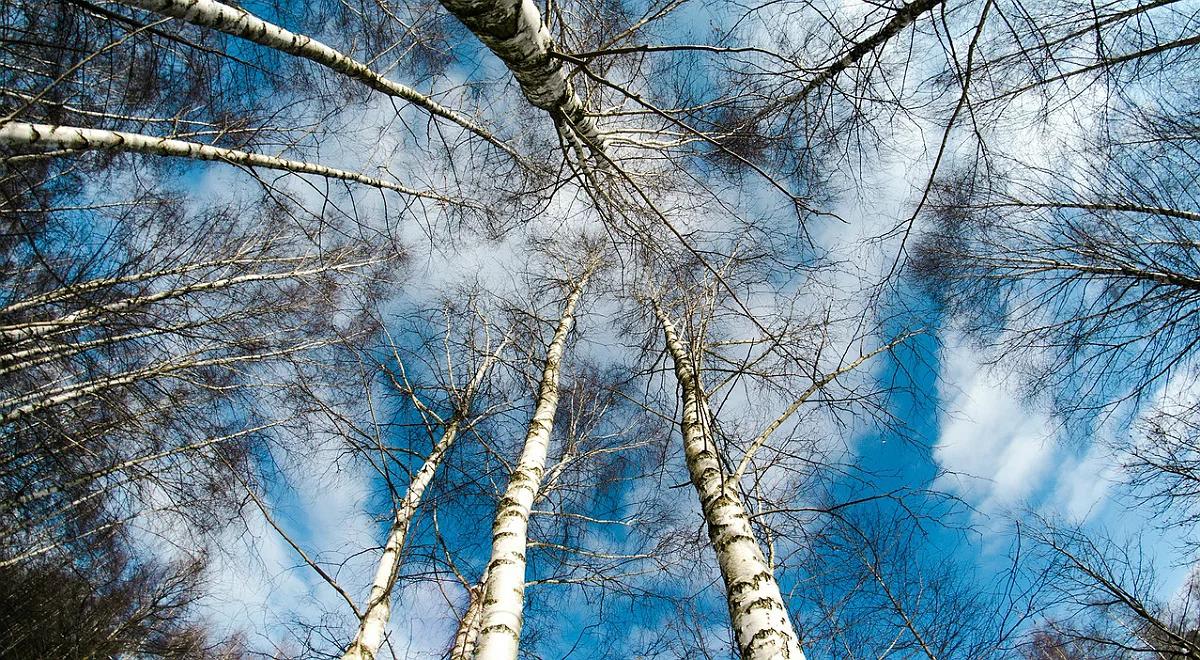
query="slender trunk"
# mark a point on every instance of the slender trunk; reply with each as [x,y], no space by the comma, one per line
[504,589]
[514,31]
[468,627]
[21,134]
[903,17]
[241,23]
[35,402]
[29,330]
[756,608]
[49,352]
[80,288]
[373,626]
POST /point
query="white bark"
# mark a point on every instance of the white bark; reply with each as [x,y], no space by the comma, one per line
[468,627]
[756,609]
[514,31]
[32,329]
[28,404]
[373,626]
[504,589]
[241,23]
[51,351]
[75,290]
[21,134]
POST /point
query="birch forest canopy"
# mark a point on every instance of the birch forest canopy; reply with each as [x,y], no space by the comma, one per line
[498,329]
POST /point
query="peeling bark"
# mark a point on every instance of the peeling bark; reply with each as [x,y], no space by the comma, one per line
[756,608]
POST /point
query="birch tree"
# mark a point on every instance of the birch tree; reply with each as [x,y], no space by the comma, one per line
[1076,266]
[378,607]
[307,150]
[756,609]
[503,599]
[728,461]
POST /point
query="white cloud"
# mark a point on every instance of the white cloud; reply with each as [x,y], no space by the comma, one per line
[1084,483]
[996,451]
[1000,452]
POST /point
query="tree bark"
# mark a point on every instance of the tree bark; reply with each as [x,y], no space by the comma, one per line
[241,23]
[21,134]
[514,31]
[35,402]
[33,329]
[468,627]
[504,588]
[372,628]
[756,608]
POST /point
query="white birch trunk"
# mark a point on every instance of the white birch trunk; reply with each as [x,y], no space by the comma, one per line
[468,628]
[241,23]
[76,290]
[21,134]
[32,329]
[28,404]
[756,608]
[373,627]
[514,31]
[504,588]
[51,351]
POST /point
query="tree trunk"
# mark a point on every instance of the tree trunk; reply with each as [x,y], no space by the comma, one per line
[504,589]
[756,609]
[373,626]
[32,329]
[514,31]
[34,402]
[241,23]
[468,628]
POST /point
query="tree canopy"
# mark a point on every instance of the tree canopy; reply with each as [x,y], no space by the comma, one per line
[486,329]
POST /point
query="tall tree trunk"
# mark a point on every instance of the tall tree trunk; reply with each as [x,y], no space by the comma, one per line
[372,628]
[756,608]
[33,329]
[28,404]
[514,31]
[504,589]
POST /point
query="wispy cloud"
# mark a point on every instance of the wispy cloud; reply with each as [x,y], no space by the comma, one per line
[1000,451]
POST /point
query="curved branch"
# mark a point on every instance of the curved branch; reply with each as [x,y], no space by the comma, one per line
[241,23]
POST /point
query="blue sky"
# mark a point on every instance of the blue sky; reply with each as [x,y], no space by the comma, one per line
[963,429]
